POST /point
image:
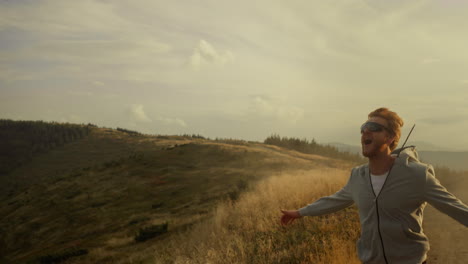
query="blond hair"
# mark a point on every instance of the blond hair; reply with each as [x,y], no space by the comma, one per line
[394,122]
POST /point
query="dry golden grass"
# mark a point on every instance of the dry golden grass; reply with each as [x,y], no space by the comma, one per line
[249,230]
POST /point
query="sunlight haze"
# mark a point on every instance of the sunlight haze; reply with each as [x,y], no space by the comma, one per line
[238,69]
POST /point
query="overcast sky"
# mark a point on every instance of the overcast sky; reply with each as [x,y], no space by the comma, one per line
[238,69]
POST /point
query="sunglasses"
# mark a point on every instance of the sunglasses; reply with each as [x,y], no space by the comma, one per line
[374,127]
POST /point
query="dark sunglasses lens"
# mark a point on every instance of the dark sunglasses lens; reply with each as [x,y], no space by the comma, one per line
[373,127]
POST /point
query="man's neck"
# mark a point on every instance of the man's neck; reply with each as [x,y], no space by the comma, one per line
[380,163]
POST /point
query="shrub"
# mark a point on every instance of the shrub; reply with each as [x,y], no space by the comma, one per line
[62,256]
[157,205]
[150,232]
[233,195]
[128,131]
[312,147]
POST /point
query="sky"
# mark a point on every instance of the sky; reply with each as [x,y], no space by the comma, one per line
[238,69]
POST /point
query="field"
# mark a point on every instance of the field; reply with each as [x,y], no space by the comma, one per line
[87,201]
[118,197]
[248,231]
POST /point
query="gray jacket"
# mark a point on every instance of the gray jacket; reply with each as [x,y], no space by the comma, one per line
[391,223]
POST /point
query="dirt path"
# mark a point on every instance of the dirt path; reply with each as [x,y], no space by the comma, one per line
[448,238]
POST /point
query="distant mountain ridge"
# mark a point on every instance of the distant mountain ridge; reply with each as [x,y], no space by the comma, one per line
[428,153]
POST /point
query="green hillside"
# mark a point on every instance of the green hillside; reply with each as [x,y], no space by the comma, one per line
[88,199]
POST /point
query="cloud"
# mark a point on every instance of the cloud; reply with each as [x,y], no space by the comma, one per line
[79,92]
[86,39]
[266,108]
[290,113]
[88,52]
[172,121]
[138,114]
[262,106]
[206,54]
[50,17]
[331,56]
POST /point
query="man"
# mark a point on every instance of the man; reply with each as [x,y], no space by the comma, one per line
[390,192]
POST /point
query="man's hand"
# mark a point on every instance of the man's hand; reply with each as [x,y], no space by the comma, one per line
[289,216]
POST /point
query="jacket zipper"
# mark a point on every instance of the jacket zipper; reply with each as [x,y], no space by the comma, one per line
[377,210]
[380,234]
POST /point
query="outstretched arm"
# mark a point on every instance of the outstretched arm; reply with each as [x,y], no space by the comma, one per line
[324,205]
[442,200]
[329,204]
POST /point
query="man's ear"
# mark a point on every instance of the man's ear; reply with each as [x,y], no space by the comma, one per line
[390,139]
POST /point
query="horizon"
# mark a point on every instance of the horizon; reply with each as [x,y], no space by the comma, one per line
[426,146]
[238,70]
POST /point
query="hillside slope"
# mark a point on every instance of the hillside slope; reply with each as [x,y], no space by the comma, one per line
[95,194]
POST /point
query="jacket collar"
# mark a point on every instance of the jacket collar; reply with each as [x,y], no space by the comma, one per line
[406,155]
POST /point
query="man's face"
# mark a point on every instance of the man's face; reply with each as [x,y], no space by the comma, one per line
[374,143]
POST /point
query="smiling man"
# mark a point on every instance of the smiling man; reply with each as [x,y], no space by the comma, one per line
[391,192]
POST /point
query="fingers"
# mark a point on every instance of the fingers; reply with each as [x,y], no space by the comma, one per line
[283,220]
[286,212]
[286,220]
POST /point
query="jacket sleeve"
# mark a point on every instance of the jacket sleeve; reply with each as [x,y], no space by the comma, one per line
[436,195]
[329,204]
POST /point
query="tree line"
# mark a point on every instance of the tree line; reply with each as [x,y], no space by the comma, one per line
[312,147]
[20,140]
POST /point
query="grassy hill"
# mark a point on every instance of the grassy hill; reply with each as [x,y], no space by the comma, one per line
[87,200]
[248,231]
[21,140]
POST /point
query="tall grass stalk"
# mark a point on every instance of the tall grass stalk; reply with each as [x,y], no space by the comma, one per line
[249,230]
